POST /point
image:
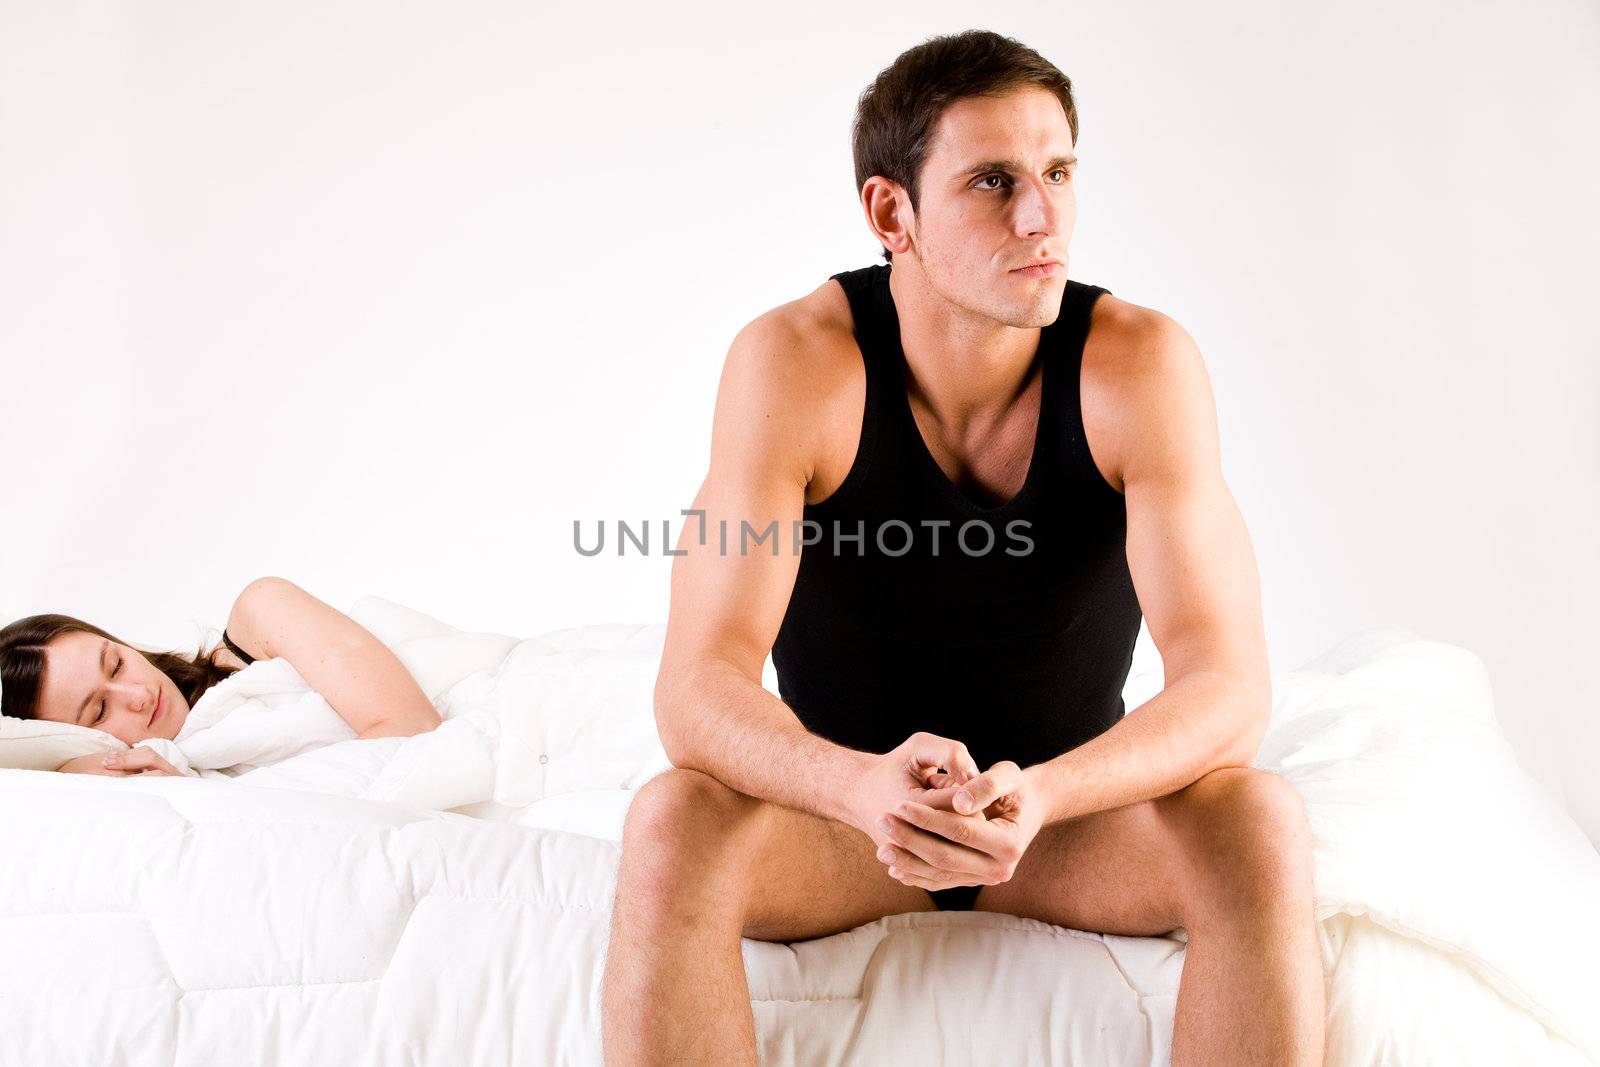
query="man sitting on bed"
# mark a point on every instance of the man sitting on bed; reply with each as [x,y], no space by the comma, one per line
[942,491]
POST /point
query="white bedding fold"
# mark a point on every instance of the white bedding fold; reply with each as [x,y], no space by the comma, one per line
[256,717]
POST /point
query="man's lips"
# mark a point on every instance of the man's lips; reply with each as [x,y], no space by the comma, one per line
[157,710]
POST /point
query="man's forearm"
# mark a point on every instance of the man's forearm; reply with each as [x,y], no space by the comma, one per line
[717,721]
[1202,721]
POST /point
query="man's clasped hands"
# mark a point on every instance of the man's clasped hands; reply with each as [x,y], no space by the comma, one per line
[938,823]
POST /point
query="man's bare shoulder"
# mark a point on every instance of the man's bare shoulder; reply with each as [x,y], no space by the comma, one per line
[1136,361]
[797,370]
[809,340]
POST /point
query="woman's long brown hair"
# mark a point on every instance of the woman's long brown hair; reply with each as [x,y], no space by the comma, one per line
[22,660]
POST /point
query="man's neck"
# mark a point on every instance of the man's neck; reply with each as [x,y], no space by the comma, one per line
[965,368]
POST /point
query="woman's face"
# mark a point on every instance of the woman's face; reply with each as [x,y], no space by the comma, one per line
[91,681]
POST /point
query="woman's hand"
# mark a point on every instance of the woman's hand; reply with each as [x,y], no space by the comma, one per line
[121,764]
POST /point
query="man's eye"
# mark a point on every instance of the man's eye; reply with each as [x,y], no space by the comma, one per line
[117,668]
[1063,171]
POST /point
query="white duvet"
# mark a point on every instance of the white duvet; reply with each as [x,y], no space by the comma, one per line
[256,718]
[426,899]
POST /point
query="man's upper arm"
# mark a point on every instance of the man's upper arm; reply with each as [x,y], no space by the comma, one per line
[1189,552]
[727,606]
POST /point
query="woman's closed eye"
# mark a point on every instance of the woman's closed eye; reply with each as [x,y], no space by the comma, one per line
[98,719]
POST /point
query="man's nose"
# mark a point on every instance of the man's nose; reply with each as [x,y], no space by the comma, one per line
[1037,210]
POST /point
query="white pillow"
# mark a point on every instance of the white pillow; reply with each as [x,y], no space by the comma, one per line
[44,744]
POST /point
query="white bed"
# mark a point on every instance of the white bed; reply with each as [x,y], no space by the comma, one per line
[286,917]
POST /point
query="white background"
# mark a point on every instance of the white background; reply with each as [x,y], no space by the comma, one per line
[382,297]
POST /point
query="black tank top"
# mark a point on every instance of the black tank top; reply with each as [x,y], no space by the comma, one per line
[1021,651]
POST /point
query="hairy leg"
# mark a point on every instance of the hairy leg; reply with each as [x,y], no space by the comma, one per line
[1228,859]
[703,865]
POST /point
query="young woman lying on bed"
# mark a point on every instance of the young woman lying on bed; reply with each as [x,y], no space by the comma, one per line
[57,667]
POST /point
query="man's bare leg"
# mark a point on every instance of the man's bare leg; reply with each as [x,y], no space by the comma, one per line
[1228,859]
[703,865]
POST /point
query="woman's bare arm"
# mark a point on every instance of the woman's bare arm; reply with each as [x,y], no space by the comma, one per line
[356,674]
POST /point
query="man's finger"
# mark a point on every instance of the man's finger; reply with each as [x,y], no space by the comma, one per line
[907,878]
[963,765]
[934,751]
[1003,778]
[970,834]
[906,862]
[942,798]
[937,851]
[908,868]
[930,884]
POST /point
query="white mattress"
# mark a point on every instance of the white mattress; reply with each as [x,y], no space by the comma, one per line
[198,922]
[182,921]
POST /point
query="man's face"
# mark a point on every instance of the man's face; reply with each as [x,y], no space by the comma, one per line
[996,193]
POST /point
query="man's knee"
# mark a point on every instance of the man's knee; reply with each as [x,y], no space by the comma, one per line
[1247,838]
[686,815]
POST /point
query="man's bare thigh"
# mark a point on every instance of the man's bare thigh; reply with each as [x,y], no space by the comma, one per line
[812,876]
[1119,871]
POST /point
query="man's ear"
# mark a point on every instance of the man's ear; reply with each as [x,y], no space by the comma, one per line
[889,214]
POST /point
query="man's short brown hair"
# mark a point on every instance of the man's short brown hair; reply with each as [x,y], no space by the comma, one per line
[897,114]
